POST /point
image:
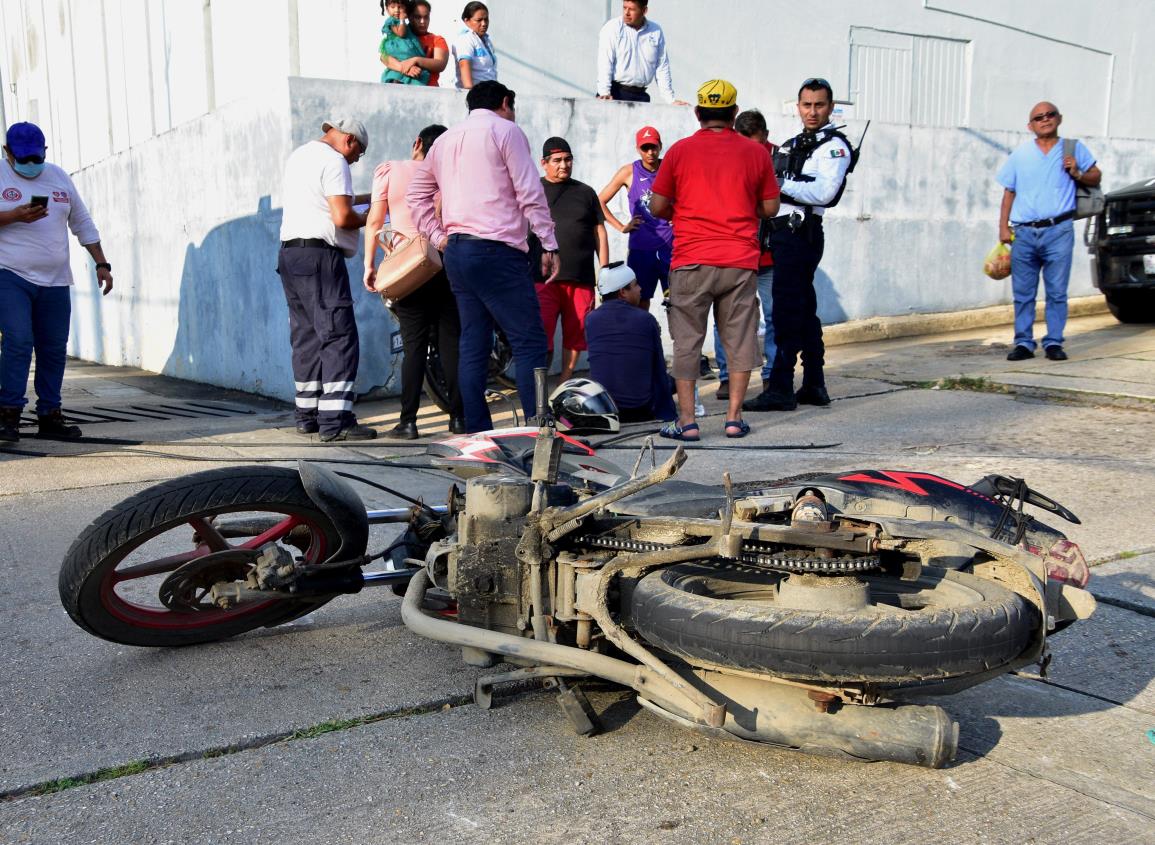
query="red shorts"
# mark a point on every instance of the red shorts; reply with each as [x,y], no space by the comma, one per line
[571,302]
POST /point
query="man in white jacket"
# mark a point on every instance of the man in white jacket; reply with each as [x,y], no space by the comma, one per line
[38,205]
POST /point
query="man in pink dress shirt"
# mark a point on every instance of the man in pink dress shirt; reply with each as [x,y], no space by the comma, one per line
[489,189]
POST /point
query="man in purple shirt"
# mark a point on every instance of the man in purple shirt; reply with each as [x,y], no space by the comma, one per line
[489,188]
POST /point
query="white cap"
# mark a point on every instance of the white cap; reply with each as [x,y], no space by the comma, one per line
[349,126]
[614,277]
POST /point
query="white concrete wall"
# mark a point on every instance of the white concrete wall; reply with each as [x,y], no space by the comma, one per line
[100,75]
[190,219]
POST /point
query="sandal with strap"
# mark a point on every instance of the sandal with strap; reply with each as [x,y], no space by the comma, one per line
[673,431]
[742,426]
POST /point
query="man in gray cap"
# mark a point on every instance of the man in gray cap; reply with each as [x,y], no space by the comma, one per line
[319,230]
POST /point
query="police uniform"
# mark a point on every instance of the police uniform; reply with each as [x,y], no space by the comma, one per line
[796,241]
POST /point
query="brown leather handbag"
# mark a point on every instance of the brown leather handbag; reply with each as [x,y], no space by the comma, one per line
[408,264]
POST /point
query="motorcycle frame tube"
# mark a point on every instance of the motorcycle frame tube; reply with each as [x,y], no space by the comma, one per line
[387,515]
[641,679]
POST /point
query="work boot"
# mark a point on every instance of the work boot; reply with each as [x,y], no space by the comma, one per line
[53,427]
[9,425]
[813,395]
[723,390]
[771,400]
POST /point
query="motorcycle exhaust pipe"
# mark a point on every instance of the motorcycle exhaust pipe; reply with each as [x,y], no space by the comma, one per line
[767,711]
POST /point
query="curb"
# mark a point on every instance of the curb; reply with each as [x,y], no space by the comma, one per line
[913,325]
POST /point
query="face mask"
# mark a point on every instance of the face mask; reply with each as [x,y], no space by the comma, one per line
[28,171]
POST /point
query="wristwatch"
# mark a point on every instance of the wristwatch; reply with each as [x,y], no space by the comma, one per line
[104,265]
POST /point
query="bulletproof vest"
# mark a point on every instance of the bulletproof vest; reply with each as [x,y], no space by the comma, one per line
[790,158]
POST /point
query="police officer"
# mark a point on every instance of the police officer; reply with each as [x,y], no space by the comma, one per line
[812,170]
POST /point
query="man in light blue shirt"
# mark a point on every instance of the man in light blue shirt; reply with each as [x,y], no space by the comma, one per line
[1037,214]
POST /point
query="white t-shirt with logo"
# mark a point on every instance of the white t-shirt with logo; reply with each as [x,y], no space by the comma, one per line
[313,172]
[482,57]
[38,252]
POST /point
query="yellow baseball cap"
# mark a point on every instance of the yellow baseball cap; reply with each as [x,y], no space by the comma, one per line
[717,94]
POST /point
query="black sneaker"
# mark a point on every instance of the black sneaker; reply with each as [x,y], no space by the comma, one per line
[356,431]
[704,370]
[811,395]
[723,390]
[1020,353]
[771,400]
[53,427]
[1055,353]
[307,427]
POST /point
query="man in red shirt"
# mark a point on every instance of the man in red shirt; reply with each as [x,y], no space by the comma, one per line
[714,185]
[436,49]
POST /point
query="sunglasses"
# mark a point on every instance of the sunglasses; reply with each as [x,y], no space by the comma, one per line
[648,148]
[32,159]
[1047,115]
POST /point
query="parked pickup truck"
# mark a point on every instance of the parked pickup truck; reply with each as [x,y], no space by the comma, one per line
[1121,240]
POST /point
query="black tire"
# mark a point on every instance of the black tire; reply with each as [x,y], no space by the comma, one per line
[88,583]
[501,370]
[724,614]
[435,386]
[1132,306]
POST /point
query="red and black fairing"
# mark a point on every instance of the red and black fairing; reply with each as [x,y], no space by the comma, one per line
[992,506]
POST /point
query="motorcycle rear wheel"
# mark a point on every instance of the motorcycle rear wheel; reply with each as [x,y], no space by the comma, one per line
[115,586]
[944,624]
[501,370]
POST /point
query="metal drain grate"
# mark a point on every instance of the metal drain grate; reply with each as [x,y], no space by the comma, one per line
[148,412]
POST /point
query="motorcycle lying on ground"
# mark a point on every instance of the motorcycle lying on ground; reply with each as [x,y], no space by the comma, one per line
[804,613]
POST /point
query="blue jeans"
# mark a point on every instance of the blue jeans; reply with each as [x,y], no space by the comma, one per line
[33,318]
[1048,250]
[766,296]
[493,284]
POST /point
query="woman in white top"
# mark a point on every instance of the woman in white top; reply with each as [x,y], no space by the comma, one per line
[473,53]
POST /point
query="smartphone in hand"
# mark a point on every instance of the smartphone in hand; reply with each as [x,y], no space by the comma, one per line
[40,201]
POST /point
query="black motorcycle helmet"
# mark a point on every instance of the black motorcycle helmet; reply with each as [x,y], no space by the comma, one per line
[583,406]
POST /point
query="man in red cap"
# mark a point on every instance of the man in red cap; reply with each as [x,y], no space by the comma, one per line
[651,238]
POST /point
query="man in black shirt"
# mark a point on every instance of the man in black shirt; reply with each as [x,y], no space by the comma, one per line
[581,234]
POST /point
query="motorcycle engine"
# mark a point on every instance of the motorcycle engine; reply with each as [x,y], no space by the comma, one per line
[484,574]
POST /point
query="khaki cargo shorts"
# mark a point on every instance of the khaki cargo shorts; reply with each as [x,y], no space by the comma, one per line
[733,293]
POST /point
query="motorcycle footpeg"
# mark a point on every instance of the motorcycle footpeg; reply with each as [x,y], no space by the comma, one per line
[578,710]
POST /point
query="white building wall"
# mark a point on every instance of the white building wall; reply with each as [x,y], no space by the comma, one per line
[103,74]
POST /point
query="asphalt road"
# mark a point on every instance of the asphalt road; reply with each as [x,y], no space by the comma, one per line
[346,728]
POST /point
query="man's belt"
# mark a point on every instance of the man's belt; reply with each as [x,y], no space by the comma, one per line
[1050,221]
[793,221]
[316,243]
[630,89]
[463,236]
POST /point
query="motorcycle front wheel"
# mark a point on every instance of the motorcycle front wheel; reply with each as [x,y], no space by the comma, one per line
[142,573]
[942,624]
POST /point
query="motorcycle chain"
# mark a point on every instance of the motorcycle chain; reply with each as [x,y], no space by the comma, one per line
[756,555]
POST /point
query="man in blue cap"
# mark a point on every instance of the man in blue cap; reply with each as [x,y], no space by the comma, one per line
[38,205]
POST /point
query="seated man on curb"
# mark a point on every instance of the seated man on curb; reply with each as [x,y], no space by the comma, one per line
[625,349]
